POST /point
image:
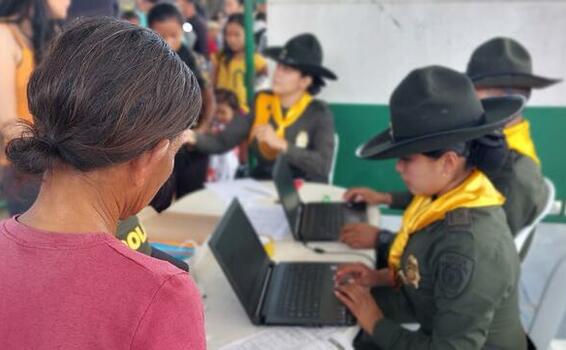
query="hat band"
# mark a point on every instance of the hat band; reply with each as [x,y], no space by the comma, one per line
[481,120]
[495,75]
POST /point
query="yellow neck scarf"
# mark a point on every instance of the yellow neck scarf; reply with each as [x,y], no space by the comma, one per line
[269,106]
[475,191]
[519,139]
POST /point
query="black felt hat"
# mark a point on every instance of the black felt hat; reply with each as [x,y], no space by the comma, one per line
[503,62]
[435,107]
[302,52]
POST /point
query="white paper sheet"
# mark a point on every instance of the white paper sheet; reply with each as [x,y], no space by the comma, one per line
[258,201]
[246,190]
[295,338]
[268,220]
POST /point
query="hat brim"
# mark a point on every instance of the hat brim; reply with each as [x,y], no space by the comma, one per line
[498,111]
[516,80]
[311,69]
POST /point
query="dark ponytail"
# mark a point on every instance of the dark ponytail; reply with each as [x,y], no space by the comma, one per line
[487,153]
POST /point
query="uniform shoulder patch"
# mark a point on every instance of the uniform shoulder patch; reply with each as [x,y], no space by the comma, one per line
[459,217]
[454,273]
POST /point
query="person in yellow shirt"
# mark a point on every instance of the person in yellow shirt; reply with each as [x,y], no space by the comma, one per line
[230,63]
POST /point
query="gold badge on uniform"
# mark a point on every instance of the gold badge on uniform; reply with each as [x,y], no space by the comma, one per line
[411,275]
[302,140]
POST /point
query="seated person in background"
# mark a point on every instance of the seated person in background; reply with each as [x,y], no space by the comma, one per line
[287,119]
[104,138]
[223,167]
[453,267]
[503,67]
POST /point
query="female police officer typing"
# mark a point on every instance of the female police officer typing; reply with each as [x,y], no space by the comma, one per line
[452,267]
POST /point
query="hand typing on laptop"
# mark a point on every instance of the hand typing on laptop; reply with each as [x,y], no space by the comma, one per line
[363,275]
[359,235]
[361,303]
[367,195]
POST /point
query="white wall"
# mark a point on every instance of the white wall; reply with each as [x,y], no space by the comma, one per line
[372,45]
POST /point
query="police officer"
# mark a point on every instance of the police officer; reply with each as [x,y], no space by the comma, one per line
[452,267]
[501,67]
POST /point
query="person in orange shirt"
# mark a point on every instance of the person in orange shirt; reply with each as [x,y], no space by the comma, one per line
[26,27]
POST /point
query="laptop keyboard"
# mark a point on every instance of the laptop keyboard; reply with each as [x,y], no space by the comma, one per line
[324,220]
[301,297]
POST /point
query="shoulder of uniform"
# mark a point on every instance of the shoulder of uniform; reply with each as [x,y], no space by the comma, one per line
[320,107]
[459,218]
[319,103]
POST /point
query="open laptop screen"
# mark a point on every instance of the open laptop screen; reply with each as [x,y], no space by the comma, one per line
[241,256]
[288,195]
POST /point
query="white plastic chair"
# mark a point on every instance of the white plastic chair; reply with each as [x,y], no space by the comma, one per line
[522,237]
[334,158]
[551,308]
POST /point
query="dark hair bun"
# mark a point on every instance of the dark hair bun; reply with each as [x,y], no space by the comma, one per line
[29,154]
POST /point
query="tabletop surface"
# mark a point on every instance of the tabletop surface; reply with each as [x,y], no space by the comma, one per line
[226,320]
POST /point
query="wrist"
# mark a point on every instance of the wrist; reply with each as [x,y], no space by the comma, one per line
[284,146]
[377,279]
[384,278]
[386,198]
[372,322]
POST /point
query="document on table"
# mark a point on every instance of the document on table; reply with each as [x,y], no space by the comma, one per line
[246,190]
[258,201]
[296,338]
[268,220]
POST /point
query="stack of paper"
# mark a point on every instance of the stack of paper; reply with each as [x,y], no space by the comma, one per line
[295,338]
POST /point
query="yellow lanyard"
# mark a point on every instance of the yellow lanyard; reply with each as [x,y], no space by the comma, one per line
[475,191]
[269,106]
[519,139]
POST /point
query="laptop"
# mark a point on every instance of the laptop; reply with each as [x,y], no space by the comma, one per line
[319,221]
[291,294]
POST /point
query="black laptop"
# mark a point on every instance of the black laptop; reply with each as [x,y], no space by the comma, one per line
[318,221]
[293,294]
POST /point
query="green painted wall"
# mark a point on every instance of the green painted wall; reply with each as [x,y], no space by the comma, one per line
[356,123]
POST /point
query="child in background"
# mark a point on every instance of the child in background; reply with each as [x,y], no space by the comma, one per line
[223,167]
[190,171]
[213,37]
[167,21]
[131,16]
[230,64]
